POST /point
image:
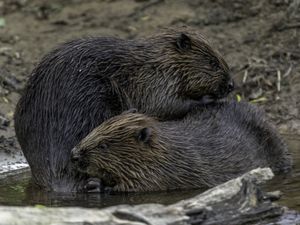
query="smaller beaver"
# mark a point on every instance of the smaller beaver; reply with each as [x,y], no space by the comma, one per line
[134,152]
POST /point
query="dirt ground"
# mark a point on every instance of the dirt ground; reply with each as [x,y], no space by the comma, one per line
[260,40]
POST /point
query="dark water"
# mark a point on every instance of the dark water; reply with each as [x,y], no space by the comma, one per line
[289,185]
[15,191]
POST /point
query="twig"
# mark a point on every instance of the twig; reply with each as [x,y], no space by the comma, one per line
[288,26]
[278,80]
[259,60]
[245,76]
[288,71]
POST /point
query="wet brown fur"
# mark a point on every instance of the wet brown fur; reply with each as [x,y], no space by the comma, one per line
[206,148]
[84,82]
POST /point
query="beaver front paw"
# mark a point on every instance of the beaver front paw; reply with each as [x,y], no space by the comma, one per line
[93,185]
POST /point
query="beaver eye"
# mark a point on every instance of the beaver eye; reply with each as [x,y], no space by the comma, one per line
[144,135]
[103,147]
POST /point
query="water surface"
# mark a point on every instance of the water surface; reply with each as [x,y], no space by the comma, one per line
[290,184]
[15,191]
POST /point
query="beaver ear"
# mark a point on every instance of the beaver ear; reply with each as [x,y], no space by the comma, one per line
[183,42]
[144,135]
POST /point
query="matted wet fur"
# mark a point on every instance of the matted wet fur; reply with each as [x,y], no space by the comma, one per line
[84,82]
[134,152]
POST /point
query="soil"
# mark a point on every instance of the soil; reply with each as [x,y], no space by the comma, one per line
[260,40]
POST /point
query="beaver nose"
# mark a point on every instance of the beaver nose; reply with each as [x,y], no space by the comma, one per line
[230,85]
[74,155]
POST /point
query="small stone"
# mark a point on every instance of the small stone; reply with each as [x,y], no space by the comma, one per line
[4,121]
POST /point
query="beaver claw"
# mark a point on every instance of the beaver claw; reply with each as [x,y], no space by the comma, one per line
[95,185]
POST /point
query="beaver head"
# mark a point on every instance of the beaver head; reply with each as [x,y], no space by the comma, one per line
[126,154]
[179,67]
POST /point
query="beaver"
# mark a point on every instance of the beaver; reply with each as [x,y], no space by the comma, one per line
[84,82]
[135,152]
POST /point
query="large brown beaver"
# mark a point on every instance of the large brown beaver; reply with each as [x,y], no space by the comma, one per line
[135,152]
[84,82]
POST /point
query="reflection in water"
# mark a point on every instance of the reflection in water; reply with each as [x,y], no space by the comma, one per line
[18,191]
[104,200]
[289,185]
